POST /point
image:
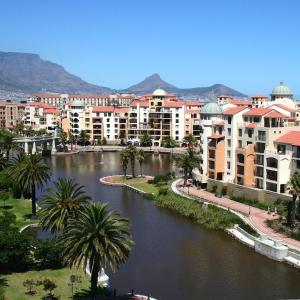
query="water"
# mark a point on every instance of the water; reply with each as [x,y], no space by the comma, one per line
[173,258]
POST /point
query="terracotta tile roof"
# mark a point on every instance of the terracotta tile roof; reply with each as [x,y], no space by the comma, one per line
[222,123]
[275,114]
[234,110]
[251,125]
[103,109]
[83,96]
[142,103]
[284,107]
[40,104]
[240,102]
[257,112]
[173,104]
[51,111]
[216,136]
[46,95]
[121,109]
[192,111]
[291,138]
[259,96]
[193,103]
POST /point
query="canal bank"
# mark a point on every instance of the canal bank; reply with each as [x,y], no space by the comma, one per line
[174,258]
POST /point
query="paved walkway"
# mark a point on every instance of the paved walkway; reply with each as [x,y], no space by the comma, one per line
[257,217]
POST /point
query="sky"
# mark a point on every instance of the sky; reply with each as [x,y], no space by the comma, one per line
[249,45]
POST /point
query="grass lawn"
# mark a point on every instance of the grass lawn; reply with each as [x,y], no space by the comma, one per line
[16,291]
[21,208]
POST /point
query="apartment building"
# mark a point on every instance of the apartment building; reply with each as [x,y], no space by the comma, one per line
[162,115]
[60,100]
[255,145]
[11,113]
[40,115]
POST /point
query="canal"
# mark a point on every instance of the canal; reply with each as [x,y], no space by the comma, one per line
[173,258]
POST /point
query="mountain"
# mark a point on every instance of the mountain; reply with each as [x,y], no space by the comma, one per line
[149,84]
[28,73]
[23,73]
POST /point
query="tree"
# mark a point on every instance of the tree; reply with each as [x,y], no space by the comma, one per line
[132,151]
[124,162]
[96,238]
[20,128]
[169,142]
[60,203]
[141,158]
[190,140]
[72,140]
[63,138]
[3,162]
[294,189]
[187,162]
[49,286]
[32,173]
[6,143]
[30,284]
[84,137]
[146,140]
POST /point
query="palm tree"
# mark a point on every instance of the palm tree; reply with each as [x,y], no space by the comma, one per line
[72,139]
[63,139]
[3,162]
[168,142]
[32,173]
[84,137]
[132,151]
[124,162]
[141,158]
[294,189]
[6,143]
[187,162]
[60,203]
[94,239]
[146,139]
[190,140]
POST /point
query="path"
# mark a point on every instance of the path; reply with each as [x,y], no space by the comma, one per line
[257,217]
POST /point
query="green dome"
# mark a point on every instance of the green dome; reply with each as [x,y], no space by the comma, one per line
[212,108]
[281,89]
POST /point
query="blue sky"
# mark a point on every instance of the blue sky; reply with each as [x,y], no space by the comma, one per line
[249,45]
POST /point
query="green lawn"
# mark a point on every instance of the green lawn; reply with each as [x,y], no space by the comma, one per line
[21,208]
[16,291]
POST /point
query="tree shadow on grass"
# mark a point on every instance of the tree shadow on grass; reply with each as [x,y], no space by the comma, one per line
[6,207]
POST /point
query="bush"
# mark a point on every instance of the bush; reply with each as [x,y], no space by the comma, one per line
[224,190]
[213,188]
[163,191]
[104,141]
[47,255]
[162,178]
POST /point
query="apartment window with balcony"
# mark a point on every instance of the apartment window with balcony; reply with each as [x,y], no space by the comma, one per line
[228,131]
[261,135]
[272,175]
[259,160]
[228,165]
[240,132]
[240,170]
[177,115]
[281,149]
[228,153]
[228,143]
[211,154]
[260,147]
[108,125]
[272,162]
[250,133]
[259,171]
[176,132]
[239,144]
[116,125]
[229,119]
[212,164]
[241,158]
[177,121]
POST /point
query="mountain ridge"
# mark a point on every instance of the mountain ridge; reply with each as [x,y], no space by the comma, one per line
[28,73]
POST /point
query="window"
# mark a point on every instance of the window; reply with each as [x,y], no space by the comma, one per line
[176,132]
[239,144]
[177,121]
[229,120]
[281,149]
[240,132]
[177,115]
[228,143]
[228,153]
[228,165]
[229,131]
[261,135]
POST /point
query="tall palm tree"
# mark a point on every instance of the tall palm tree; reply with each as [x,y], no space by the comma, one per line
[3,162]
[6,143]
[168,142]
[190,140]
[132,151]
[141,158]
[187,162]
[32,173]
[124,162]
[96,238]
[72,139]
[294,189]
[60,203]
[146,140]
[84,137]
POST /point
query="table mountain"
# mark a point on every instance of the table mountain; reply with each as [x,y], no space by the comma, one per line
[149,84]
[23,72]
[28,73]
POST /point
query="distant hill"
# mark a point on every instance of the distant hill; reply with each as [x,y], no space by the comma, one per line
[154,81]
[25,73]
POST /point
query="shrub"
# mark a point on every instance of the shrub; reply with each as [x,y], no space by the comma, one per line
[104,141]
[214,188]
[47,255]
[162,178]
[224,190]
[163,191]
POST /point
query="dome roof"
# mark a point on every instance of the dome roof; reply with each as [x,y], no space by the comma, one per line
[281,89]
[159,93]
[212,108]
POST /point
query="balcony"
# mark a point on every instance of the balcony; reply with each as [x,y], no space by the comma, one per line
[272,175]
[259,172]
[259,160]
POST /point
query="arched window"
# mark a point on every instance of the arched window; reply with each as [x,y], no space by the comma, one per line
[272,162]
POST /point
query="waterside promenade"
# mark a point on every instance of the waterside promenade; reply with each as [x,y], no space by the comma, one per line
[254,216]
